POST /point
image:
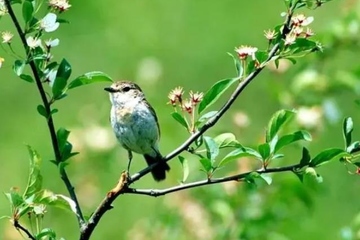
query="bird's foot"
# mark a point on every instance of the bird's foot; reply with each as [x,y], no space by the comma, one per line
[122,183]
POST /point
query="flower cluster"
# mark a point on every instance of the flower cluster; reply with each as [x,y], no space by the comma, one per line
[298,23]
[3,9]
[6,37]
[176,98]
[245,51]
[59,5]
[47,24]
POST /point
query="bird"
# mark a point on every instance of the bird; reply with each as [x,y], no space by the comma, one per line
[136,125]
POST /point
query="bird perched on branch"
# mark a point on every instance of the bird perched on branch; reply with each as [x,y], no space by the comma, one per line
[136,126]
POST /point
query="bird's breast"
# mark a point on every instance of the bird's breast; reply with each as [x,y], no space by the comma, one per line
[124,114]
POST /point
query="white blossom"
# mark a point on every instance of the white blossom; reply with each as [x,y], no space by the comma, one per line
[1,61]
[48,23]
[33,42]
[52,43]
[6,37]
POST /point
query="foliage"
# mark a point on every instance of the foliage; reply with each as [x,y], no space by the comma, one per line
[285,42]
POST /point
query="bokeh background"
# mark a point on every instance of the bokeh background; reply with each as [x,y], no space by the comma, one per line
[161,45]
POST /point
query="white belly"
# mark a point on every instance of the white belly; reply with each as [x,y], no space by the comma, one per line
[135,128]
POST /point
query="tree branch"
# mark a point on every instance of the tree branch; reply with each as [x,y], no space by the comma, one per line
[27,232]
[50,122]
[237,177]
[105,204]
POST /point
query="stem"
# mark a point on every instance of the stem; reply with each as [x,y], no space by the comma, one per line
[50,122]
[18,226]
[237,177]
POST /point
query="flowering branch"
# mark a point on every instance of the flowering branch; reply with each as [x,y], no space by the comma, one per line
[50,122]
[123,184]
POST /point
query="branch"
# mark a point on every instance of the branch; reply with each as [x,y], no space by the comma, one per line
[242,85]
[18,226]
[237,177]
[50,122]
[105,204]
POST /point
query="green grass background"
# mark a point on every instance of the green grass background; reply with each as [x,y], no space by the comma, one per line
[189,41]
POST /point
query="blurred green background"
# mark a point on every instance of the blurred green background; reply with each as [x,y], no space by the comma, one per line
[161,45]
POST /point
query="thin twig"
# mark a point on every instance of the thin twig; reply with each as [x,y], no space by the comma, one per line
[237,177]
[17,225]
[50,121]
[105,204]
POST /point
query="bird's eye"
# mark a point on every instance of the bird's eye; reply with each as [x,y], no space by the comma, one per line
[126,89]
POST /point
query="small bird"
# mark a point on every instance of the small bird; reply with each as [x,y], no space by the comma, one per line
[135,124]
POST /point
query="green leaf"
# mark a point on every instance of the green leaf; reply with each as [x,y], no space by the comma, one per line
[15,2]
[357,101]
[59,87]
[291,138]
[250,178]
[267,178]
[88,78]
[61,20]
[292,60]
[305,159]
[238,67]
[347,130]
[212,149]
[326,155]
[180,119]
[27,78]
[51,66]
[206,117]
[27,11]
[199,141]
[257,178]
[53,111]
[264,150]
[276,122]
[215,93]
[239,153]
[302,45]
[206,163]
[354,147]
[261,56]
[35,179]
[15,198]
[277,156]
[67,152]
[226,140]
[185,167]
[64,70]
[57,200]
[62,135]
[311,177]
[46,232]
[250,67]
[18,67]
[41,110]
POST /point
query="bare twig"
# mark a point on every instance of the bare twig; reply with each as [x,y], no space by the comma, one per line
[105,205]
[237,177]
[50,121]
[18,226]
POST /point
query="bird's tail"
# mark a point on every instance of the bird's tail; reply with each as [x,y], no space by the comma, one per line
[158,172]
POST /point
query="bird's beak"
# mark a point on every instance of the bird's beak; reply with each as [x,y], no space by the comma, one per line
[109,89]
